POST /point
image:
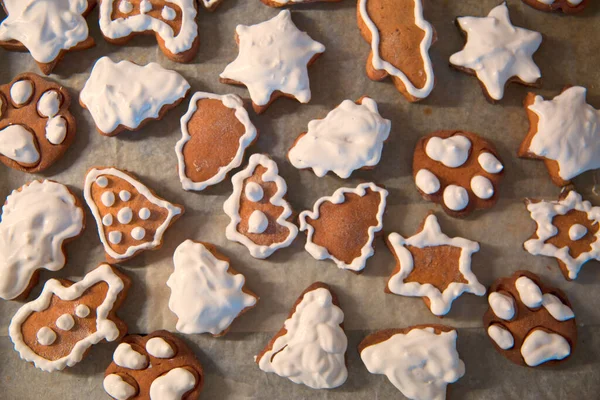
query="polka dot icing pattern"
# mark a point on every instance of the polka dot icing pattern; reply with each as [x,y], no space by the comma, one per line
[125,6]
[125,215]
[82,311]
[65,322]
[46,336]
[124,195]
[254,192]
[258,222]
[108,199]
[138,233]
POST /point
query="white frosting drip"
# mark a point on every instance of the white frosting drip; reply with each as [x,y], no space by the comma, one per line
[82,311]
[257,222]
[159,348]
[482,187]
[452,152]
[502,337]
[56,130]
[577,231]
[18,144]
[124,195]
[556,308]
[529,292]
[456,198]
[349,138]
[254,192]
[125,215]
[117,388]
[502,305]
[173,385]
[48,104]
[138,233]
[490,163]
[21,91]
[65,322]
[115,237]
[427,182]
[540,347]
[107,220]
[125,356]
[168,13]
[108,198]
[144,214]
[46,336]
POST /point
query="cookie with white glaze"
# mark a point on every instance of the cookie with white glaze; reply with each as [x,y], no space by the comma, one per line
[46,29]
[38,220]
[400,39]
[565,6]
[284,3]
[530,323]
[563,132]
[207,294]
[497,52]
[279,67]
[125,96]
[420,361]
[36,124]
[350,137]
[310,348]
[129,216]
[155,366]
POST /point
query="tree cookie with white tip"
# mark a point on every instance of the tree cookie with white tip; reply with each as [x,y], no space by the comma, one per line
[528,322]
[154,367]
[36,124]
[278,67]
[459,170]
[130,217]
[565,6]
[350,137]
[342,227]
[283,3]
[497,52]
[433,266]
[400,39]
[310,348]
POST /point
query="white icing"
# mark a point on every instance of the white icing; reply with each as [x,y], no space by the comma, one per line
[254,192]
[159,348]
[107,220]
[173,385]
[168,13]
[490,163]
[144,214]
[496,50]
[125,356]
[36,221]
[49,104]
[380,64]
[502,305]
[115,237]
[577,231]
[543,212]
[482,187]
[138,233]
[18,144]
[56,130]
[126,94]
[312,350]
[143,190]
[124,195]
[572,2]
[230,101]
[117,388]
[125,6]
[82,311]
[502,337]
[46,336]
[556,308]
[273,56]
[45,28]
[427,182]
[102,181]
[540,347]
[65,322]
[108,198]
[105,328]
[125,215]
[349,138]
[529,292]
[338,197]
[432,236]
[456,198]
[232,206]
[143,22]
[210,4]
[568,131]
[257,222]
[204,295]
[452,152]
[420,363]
[21,91]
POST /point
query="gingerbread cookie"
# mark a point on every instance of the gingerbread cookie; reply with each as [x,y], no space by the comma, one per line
[283,3]
[420,361]
[57,329]
[207,295]
[47,29]
[528,322]
[563,132]
[350,137]
[278,67]
[130,217]
[567,229]
[152,367]
[211,119]
[125,95]
[311,346]
[433,266]
[173,23]
[400,39]
[36,126]
[497,52]
[258,210]
[38,219]
[459,170]
[566,6]
[342,227]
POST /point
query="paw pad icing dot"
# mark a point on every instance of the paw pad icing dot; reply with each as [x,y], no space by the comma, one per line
[21,92]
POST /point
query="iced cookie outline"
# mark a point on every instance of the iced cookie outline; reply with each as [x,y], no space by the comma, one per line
[19,105]
[285,3]
[565,6]
[549,313]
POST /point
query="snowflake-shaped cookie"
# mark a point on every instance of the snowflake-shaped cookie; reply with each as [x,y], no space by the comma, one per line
[567,230]
[273,61]
[498,52]
[433,266]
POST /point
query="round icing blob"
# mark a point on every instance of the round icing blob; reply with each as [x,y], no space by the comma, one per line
[254,192]
[456,198]
[56,130]
[49,104]
[82,311]
[125,215]
[168,13]
[159,348]
[258,222]
[115,237]
[145,6]
[18,144]
[108,198]
[452,152]
[502,305]
[21,91]
[116,387]
[540,347]
[46,336]
[107,220]
[124,195]
[577,231]
[503,338]
[125,6]
[138,233]
[125,356]
[490,163]
[482,187]
[65,322]
[144,213]
[173,385]
[556,308]
[529,292]
[102,181]
[427,181]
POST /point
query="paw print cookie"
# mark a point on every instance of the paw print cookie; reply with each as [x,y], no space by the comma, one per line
[528,322]
[36,126]
[566,6]
[459,170]
[130,217]
[57,329]
[156,366]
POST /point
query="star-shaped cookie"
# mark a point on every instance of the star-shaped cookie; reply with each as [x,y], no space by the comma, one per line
[497,52]
[433,266]
[273,61]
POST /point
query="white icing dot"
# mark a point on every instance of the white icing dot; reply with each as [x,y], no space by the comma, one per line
[490,163]
[56,130]
[172,385]
[102,181]
[482,187]
[65,322]
[49,104]
[125,215]
[21,91]
[452,152]
[124,195]
[168,13]
[138,233]
[427,181]
[556,308]
[117,388]
[540,347]
[108,198]
[254,192]
[503,338]
[503,306]
[145,6]
[107,220]
[258,222]
[127,357]
[125,6]
[577,231]
[46,336]
[144,213]
[82,311]
[159,348]
[529,292]
[456,198]
[115,237]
